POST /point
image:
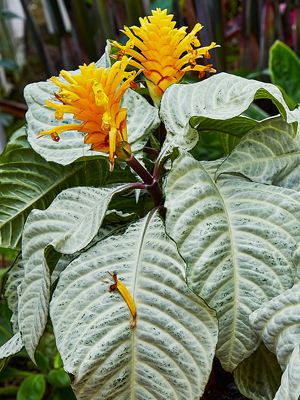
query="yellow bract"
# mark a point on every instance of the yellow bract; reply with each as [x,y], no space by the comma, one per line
[93,96]
[164,52]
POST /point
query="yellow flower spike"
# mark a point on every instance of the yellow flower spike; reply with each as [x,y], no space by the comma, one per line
[163,52]
[94,97]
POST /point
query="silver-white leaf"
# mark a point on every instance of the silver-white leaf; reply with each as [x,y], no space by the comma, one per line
[278,323]
[237,238]
[269,153]
[69,224]
[168,355]
[12,346]
[14,280]
[221,96]
[290,382]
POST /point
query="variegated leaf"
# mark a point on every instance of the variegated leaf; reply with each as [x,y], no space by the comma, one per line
[221,96]
[169,353]
[290,382]
[237,238]
[142,119]
[68,225]
[269,153]
[278,323]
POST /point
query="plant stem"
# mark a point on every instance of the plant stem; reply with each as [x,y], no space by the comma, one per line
[140,170]
[150,183]
[9,390]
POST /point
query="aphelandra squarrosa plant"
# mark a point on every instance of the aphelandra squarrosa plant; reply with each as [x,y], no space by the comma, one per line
[181,247]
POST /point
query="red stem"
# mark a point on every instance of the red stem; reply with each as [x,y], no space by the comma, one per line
[150,183]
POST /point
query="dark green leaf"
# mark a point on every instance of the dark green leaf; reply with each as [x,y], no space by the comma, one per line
[27,181]
[58,378]
[216,137]
[62,394]
[41,361]
[255,112]
[32,388]
[5,328]
[285,66]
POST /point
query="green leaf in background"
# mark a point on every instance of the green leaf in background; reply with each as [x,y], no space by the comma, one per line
[5,328]
[8,64]
[255,112]
[167,355]
[258,377]
[269,154]
[284,67]
[239,253]
[217,137]
[58,378]
[7,14]
[27,181]
[68,225]
[32,388]
[222,96]
[163,4]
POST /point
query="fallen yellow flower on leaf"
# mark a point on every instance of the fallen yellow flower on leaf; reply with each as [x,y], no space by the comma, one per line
[124,292]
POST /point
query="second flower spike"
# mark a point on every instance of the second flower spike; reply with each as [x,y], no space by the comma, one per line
[164,53]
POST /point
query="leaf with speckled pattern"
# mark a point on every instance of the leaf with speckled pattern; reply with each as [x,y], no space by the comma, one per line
[15,277]
[221,96]
[27,181]
[269,153]
[290,382]
[11,347]
[168,355]
[238,238]
[68,225]
[278,323]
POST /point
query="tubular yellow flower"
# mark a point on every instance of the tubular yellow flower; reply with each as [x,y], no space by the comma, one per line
[163,52]
[94,97]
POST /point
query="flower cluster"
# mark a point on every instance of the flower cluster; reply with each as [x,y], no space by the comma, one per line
[164,53]
[93,95]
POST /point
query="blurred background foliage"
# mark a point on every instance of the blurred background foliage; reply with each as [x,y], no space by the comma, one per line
[259,39]
[38,38]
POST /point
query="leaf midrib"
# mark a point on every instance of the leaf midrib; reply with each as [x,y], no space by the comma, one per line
[133,336]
